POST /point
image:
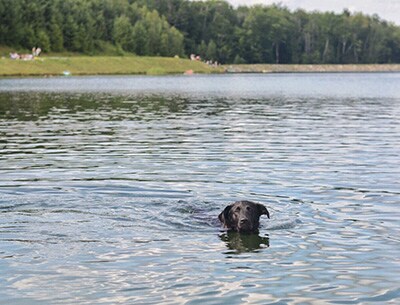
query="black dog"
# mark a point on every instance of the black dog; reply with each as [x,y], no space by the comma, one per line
[243,216]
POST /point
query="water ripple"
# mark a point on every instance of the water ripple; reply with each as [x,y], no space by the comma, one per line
[112,196]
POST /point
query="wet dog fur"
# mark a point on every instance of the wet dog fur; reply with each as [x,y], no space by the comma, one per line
[243,216]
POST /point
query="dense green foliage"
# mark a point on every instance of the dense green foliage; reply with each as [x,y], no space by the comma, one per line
[213,29]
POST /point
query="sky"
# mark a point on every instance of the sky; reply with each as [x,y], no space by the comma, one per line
[386,9]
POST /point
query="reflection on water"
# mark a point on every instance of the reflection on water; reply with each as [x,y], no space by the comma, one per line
[40,106]
[110,189]
[241,243]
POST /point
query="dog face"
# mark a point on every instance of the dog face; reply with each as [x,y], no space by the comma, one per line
[243,216]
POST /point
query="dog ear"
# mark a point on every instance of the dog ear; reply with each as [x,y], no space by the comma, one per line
[224,216]
[262,209]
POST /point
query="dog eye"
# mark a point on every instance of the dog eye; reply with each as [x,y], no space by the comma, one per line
[248,208]
[238,209]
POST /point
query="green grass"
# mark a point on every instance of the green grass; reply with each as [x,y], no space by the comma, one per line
[92,65]
[129,64]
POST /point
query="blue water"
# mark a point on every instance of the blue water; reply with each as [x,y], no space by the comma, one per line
[110,188]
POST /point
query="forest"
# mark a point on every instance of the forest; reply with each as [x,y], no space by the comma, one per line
[213,29]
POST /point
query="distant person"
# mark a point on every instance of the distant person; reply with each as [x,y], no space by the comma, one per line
[36,51]
[26,56]
[14,55]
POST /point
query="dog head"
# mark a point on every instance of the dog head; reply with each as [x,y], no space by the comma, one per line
[243,216]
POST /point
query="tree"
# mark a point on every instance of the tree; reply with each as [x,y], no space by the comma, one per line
[211,50]
[139,34]
[56,37]
[202,49]
[43,41]
[256,41]
[172,42]
[123,33]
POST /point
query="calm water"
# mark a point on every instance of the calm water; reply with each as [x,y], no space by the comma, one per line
[110,189]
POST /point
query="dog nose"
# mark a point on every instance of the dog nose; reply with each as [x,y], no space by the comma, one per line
[243,221]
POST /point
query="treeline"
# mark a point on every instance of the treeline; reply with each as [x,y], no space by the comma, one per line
[88,26]
[213,29]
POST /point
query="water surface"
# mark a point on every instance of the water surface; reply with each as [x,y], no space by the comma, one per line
[110,189]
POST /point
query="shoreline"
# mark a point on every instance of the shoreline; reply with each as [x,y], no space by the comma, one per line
[136,65]
[312,68]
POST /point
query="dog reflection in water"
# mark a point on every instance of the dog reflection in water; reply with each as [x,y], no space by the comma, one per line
[242,219]
[244,242]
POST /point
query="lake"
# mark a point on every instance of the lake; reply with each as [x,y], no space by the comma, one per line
[110,188]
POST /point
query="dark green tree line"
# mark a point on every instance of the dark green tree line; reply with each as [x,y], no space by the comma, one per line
[87,26]
[213,29]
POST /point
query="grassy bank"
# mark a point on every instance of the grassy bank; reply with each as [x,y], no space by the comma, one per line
[95,65]
[274,68]
[92,65]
